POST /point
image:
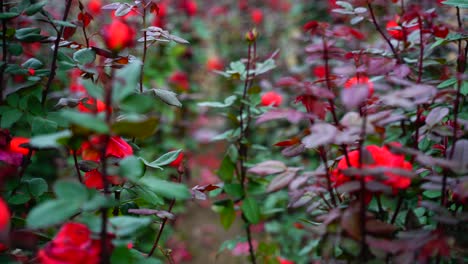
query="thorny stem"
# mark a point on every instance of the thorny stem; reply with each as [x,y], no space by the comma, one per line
[53,66]
[379,29]
[461,66]
[180,171]
[77,168]
[323,155]
[142,73]
[330,101]
[4,52]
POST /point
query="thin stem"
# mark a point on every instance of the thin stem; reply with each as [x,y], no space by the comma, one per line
[330,101]
[53,66]
[180,171]
[77,168]
[105,181]
[85,36]
[4,52]
[397,209]
[243,149]
[362,181]
[249,239]
[115,212]
[323,155]
[24,165]
[379,29]
[461,66]
[142,71]
[421,50]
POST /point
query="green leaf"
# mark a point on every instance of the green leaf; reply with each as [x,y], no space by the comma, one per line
[50,213]
[128,225]
[137,103]
[233,189]
[265,66]
[8,15]
[93,89]
[131,168]
[148,196]
[19,198]
[166,189]
[71,191]
[15,49]
[64,23]
[9,117]
[135,126]
[168,97]
[98,201]
[251,210]
[37,186]
[126,81]
[447,83]
[227,102]
[32,63]
[34,8]
[85,120]
[28,34]
[227,214]
[121,255]
[50,140]
[84,56]
[226,169]
[163,160]
[458,3]
[42,126]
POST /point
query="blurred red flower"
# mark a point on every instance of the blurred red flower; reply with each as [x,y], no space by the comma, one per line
[271,98]
[179,80]
[361,80]
[256,15]
[117,147]
[380,157]
[94,6]
[118,35]
[284,261]
[4,215]
[189,6]
[214,63]
[440,31]
[93,179]
[177,161]
[397,29]
[15,145]
[73,244]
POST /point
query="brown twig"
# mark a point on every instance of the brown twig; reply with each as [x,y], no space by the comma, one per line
[379,29]
[53,66]
[180,171]
[77,168]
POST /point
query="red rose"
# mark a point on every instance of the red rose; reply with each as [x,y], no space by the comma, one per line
[319,71]
[93,180]
[190,7]
[180,80]
[382,157]
[284,261]
[4,215]
[271,98]
[361,80]
[214,63]
[440,31]
[72,245]
[399,31]
[118,35]
[257,16]
[177,161]
[15,145]
[117,148]
[95,6]
[91,105]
